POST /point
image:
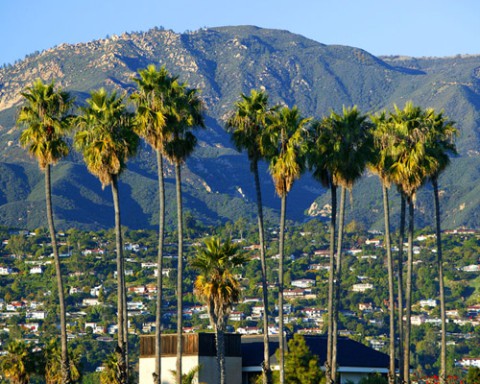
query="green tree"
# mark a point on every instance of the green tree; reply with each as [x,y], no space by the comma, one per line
[106,140]
[473,375]
[217,286]
[152,100]
[46,119]
[183,113]
[301,366]
[247,124]
[284,146]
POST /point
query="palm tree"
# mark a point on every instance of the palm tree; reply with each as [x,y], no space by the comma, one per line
[151,124]
[217,286]
[284,146]
[342,146]
[439,145]
[247,124]
[408,172]
[189,377]
[46,119]
[106,139]
[380,164]
[183,113]
[112,372]
[53,367]
[17,365]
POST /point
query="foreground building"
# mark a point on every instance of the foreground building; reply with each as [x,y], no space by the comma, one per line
[244,356]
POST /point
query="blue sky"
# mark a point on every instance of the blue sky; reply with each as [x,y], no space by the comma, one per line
[381,27]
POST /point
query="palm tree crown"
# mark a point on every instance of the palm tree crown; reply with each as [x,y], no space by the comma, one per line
[284,145]
[45,116]
[105,136]
[216,283]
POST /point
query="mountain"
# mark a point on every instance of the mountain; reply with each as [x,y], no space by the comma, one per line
[224,62]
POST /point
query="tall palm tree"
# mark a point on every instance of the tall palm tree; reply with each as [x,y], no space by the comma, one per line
[284,146]
[183,113]
[409,172]
[380,164]
[439,145]
[342,146]
[106,139]
[150,100]
[217,286]
[248,124]
[46,119]
[17,365]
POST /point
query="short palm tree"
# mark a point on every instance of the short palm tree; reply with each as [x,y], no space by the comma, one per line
[112,370]
[247,124]
[183,113]
[17,365]
[150,99]
[218,287]
[439,145]
[284,147]
[106,139]
[53,367]
[46,119]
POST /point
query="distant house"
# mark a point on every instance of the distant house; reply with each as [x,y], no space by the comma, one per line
[469,362]
[36,270]
[303,283]
[5,270]
[90,302]
[362,287]
[428,303]
[471,268]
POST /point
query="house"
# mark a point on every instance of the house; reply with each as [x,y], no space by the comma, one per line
[36,270]
[469,362]
[244,357]
[5,270]
[428,303]
[303,283]
[362,287]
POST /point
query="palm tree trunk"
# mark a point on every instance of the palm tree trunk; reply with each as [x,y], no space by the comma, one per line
[121,344]
[267,372]
[220,340]
[178,180]
[331,277]
[391,292]
[408,292]
[337,285]
[401,237]
[281,245]
[161,225]
[441,283]
[65,366]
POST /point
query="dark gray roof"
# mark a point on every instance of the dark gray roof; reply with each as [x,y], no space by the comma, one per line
[350,352]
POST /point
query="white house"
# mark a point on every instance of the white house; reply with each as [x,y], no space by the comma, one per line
[303,283]
[36,270]
[362,287]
